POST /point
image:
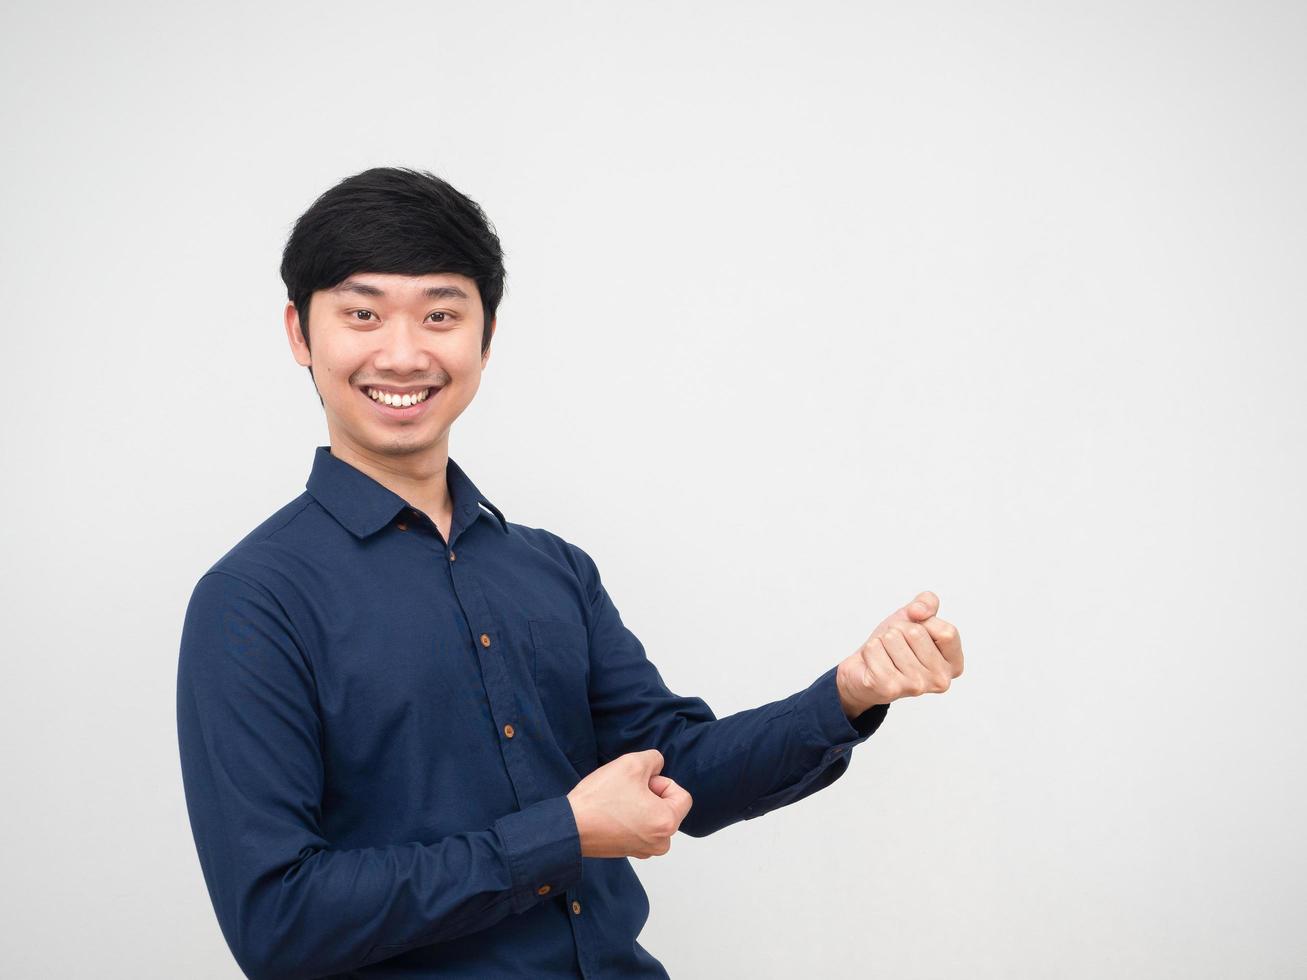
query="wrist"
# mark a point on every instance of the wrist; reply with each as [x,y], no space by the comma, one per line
[850,706]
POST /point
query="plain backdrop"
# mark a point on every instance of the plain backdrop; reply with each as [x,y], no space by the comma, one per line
[810,307]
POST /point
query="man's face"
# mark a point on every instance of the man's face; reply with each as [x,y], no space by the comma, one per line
[415,338]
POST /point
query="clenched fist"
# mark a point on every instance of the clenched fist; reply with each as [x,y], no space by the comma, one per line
[626,809]
[911,652]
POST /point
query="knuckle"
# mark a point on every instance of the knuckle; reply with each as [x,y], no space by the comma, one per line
[941,683]
[915,631]
[916,687]
[948,633]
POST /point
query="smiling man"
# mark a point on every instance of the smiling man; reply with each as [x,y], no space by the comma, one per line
[398,358]
[416,738]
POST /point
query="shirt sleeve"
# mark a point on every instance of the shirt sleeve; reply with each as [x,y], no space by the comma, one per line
[737,767]
[290,905]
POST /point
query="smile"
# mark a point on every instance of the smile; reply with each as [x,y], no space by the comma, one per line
[400,404]
[398,399]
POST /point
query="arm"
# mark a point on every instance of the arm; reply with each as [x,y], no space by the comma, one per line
[289,904]
[736,768]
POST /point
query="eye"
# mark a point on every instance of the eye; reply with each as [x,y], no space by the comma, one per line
[368,313]
[440,313]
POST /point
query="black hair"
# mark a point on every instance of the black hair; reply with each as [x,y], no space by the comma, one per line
[396,220]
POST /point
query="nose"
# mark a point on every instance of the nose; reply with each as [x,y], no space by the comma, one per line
[401,352]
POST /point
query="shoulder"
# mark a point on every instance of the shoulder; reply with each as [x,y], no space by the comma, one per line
[252,591]
[560,549]
[271,557]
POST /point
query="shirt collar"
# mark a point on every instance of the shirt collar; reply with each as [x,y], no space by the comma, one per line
[364,506]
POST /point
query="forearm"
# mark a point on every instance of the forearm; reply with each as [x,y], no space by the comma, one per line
[334,910]
[759,759]
[735,767]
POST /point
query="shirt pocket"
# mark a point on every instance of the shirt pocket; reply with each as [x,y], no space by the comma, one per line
[560,655]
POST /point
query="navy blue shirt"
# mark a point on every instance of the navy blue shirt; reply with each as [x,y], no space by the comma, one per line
[378,730]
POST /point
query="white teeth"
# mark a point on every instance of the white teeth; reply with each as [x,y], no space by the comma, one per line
[397,400]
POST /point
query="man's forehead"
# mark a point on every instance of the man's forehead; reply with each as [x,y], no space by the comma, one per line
[443,285]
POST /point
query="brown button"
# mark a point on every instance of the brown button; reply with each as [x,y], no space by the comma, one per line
[402,526]
[451,556]
[485,640]
[542,890]
[576,908]
[508,730]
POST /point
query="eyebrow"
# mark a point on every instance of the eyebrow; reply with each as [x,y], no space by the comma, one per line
[431,292]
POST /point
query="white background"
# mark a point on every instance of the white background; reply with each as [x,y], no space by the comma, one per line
[810,307]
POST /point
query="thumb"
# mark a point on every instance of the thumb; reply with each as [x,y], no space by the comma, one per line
[658,785]
[679,798]
[925,605]
[652,760]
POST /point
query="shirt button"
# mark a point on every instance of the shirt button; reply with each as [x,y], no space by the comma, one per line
[451,556]
[542,890]
[402,526]
[485,640]
[508,730]
[576,908]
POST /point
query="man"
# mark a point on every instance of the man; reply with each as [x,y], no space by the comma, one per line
[416,738]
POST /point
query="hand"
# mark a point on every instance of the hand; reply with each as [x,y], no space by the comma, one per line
[626,809]
[911,652]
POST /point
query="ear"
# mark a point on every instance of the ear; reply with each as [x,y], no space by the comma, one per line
[486,356]
[299,348]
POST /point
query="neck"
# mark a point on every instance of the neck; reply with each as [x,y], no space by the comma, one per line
[420,478]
